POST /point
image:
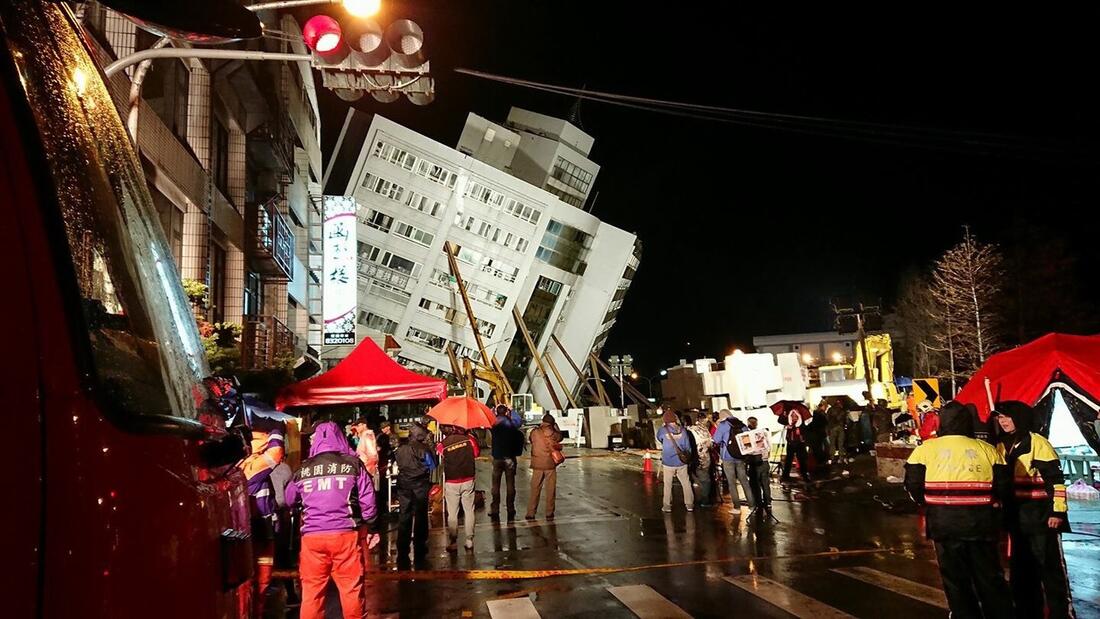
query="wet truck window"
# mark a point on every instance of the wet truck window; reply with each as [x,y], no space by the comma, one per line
[146,351]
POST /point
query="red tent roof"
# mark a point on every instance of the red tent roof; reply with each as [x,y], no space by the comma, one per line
[1024,373]
[366,375]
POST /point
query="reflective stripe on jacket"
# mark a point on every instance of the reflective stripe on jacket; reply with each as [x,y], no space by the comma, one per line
[960,480]
[1039,486]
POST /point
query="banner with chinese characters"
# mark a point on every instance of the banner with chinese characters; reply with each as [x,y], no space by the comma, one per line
[339,286]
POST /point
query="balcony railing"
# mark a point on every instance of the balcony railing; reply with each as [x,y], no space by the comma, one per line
[269,241]
[266,341]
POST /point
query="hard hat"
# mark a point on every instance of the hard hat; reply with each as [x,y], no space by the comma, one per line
[925,406]
[402,432]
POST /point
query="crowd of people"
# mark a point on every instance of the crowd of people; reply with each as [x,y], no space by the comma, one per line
[702,453]
[975,479]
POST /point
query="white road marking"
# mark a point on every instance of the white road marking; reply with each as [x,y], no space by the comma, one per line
[786,598]
[646,603]
[515,608]
[897,584]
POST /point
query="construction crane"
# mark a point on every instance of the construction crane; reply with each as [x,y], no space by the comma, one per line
[469,371]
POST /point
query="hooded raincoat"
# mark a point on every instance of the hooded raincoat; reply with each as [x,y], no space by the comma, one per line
[333,486]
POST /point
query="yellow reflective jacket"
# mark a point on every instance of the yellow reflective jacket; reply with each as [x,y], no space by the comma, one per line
[961,481]
[1039,486]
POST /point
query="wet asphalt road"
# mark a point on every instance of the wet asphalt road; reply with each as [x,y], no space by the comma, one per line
[841,551]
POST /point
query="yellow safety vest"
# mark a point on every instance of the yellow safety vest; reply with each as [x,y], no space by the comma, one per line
[958,470]
[1028,482]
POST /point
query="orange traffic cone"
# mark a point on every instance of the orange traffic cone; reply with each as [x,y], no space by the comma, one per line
[647,467]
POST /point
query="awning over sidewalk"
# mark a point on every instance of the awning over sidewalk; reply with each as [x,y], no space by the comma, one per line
[366,375]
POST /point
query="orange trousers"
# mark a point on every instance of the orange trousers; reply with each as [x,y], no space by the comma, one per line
[336,556]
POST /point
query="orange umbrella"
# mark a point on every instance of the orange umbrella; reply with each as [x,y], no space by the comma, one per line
[463,412]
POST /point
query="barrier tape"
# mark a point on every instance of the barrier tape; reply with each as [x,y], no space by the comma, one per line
[390,575]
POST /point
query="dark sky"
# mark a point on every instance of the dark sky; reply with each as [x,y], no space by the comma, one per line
[751,231]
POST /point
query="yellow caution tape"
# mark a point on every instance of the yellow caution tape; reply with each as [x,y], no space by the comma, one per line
[531,574]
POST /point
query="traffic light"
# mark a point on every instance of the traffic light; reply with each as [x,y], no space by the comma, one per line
[365,58]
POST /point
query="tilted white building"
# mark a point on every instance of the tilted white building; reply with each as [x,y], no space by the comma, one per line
[519,244]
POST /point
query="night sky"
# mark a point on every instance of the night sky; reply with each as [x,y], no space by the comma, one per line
[750,231]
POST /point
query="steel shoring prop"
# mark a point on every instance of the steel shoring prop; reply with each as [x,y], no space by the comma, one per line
[554,369]
[538,358]
[573,364]
[604,400]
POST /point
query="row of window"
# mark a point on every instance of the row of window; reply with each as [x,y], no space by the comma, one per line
[476,292]
[488,264]
[565,196]
[397,193]
[496,234]
[383,290]
[388,259]
[379,323]
[452,315]
[380,221]
[564,247]
[572,175]
[426,339]
[497,200]
[416,165]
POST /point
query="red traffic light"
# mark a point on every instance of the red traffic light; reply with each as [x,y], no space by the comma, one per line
[323,35]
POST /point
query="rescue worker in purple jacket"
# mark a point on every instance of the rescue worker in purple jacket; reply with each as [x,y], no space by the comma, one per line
[337,496]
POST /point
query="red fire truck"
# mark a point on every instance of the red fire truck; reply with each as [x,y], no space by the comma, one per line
[121,494]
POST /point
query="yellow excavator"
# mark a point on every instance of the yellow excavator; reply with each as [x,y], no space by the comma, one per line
[850,378]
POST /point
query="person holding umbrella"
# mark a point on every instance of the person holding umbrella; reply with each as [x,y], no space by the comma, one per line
[457,415]
[458,453]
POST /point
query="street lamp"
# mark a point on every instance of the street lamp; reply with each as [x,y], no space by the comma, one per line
[648,380]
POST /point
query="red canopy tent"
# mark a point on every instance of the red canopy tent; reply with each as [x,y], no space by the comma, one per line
[1032,372]
[366,375]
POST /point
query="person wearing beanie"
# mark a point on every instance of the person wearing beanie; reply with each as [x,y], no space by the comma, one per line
[545,440]
[1036,514]
[676,455]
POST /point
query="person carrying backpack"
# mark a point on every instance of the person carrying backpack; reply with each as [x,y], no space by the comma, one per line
[733,464]
[676,455]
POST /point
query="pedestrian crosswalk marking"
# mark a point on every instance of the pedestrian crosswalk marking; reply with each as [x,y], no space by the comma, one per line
[904,586]
[516,608]
[786,598]
[646,603]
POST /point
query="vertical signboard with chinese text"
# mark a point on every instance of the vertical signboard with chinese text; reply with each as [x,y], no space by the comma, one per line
[339,270]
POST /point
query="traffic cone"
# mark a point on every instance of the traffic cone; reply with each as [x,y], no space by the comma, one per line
[647,466]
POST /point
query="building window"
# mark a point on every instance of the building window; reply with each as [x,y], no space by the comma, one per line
[383,187]
[428,340]
[376,219]
[572,175]
[565,196]
[564,247]
[424,204]
[166,90]
[219,155]
[217,283]
[414,234]
[404,266]
[378,323]
[171,220]
[386,291]
[253,295]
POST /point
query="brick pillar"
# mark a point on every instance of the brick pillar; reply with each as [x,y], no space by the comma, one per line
[198,113]
[234,284]
[237,162]
[196,243]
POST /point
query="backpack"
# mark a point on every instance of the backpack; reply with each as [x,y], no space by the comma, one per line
[732,447]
